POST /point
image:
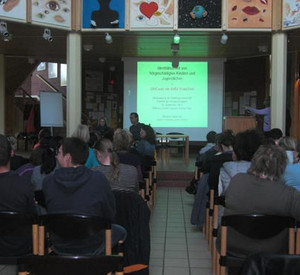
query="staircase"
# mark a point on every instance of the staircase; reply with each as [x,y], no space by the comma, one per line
[173,178]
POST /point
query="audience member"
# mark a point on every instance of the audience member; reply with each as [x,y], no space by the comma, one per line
[146,146]
[102,127]
[16,194]
[35,159]
[289,144]
[48,165]
[122,143]
[225,142]
[211,142]
[16,161]
[135,128]
[275,134]
[119,175]
[82,132]
[245,145]
[43,133]
[78,190]
[291,174]
[261,192]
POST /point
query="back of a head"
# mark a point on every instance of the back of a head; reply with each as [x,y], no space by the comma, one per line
[44,133]
[269,162]
[77,148]
[150,134]
[104,146]
[226,138]
[275,133]
[211,137]
[288,143]
[122,140]
[82,132]
[5,150]
[246,144]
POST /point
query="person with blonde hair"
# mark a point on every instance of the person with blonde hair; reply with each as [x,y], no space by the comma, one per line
[289,144]
[119,175]
[122,142]
[82,132]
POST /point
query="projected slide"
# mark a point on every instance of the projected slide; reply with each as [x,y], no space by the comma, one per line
[172,97]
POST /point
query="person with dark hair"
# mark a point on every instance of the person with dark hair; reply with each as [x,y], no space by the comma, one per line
[275,134]
[146,146]
[17,195]
[135,128]
[76,189]
[225,143]
[261,191]
[48,165]
[102,129]
[119,175]
[246,144]
[43,133]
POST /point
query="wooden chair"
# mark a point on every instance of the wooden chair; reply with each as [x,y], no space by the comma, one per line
[75,265]
[175,142]
[72,228]
[18,224]
[253,226]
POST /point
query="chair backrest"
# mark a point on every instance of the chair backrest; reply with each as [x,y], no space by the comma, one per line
[275,264]
[174,134]
[258,226]
[75,265]
[72,226]
[16,227]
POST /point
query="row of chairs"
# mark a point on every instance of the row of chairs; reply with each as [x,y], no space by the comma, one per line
[150,177]
[254,226]
[67,227]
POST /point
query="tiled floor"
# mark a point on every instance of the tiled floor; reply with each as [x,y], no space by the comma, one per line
[177,247]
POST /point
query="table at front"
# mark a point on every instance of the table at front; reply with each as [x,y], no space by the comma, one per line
[185,138]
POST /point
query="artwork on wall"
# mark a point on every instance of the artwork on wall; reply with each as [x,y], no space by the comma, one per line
[151,14]
[249,14]
[199,14]
[52,12]
[290,13]
[106,14]
[13,9]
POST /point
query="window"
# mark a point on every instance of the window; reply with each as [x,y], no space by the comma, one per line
[63,75]
[52,70]
[41,66]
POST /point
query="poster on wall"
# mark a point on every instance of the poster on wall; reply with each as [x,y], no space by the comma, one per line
[56,13]
[108,14]
[196,14]
[290,13]
[151,14]
[249,14]
[14,10]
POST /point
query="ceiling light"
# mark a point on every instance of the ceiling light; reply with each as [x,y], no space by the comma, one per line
[224,39]
[108,38]
[176,39]
[8,38]
[3,29]
[102,59]
[88,47]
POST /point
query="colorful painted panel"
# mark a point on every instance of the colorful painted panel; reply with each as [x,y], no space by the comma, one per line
[249,14]
[199,14]
[106,14]
[13,9]
[290,13]
[52,12]
[151,14]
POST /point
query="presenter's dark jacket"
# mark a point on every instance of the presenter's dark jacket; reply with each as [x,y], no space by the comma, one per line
[16,194]
[135,131]
[79,191]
